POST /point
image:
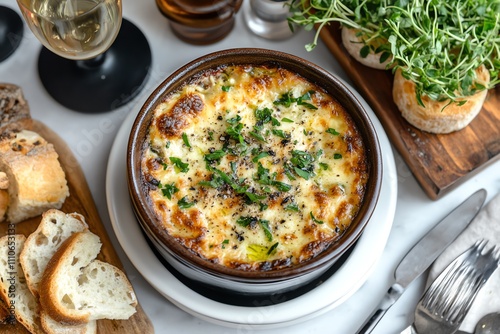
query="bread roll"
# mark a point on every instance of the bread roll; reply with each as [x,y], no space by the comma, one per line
[433,118]
[36,179]
[353,44]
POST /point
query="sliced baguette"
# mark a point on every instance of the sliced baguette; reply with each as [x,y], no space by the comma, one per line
[54,228]
[53,327]
[434,117]
[76,288]
[13,288]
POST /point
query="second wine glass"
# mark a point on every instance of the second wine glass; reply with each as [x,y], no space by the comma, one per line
[92,60]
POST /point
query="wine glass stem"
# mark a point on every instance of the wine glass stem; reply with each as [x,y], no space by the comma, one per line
[91,63]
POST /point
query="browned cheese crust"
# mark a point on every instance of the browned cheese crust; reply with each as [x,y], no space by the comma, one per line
[254,167]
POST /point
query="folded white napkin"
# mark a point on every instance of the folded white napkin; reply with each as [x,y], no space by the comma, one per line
[486,225]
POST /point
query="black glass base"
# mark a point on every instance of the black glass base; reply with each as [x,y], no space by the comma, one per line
[102,84]
[11,32]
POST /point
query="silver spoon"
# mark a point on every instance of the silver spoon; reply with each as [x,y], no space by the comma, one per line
[489,324]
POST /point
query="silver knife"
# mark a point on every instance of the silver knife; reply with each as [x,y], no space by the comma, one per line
[423,254]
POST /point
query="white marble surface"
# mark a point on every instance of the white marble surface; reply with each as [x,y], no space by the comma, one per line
[91,137]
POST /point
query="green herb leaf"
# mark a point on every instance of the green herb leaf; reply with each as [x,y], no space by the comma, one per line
[314,219]
[179,165]
[272,248]
[184,204]
[267,230]
[169,189]
[215,155]
[260,156]
[185,140]
[332,131]
[292,207]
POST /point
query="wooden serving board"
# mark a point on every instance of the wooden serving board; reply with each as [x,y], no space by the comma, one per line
[81,201]
[439,162]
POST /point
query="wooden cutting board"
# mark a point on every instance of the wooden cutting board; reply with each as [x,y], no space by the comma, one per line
[439,162]
[81,201]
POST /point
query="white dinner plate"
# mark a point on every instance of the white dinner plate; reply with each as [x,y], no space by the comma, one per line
[332,291]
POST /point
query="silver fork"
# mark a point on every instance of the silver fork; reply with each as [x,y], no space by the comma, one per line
[447,301]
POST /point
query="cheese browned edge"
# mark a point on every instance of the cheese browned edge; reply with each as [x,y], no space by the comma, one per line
[282,167]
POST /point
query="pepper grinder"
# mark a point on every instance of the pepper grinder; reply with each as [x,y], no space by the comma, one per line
[268,18]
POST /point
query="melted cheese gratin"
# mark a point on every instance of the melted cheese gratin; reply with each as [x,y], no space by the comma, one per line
[254,168]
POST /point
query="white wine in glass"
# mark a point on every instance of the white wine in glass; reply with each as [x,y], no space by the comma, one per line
[74,29]
[92,60]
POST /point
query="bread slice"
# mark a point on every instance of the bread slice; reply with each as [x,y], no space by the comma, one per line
[434,117]
[54,228]
[13,288]
[36,179]
[53,327]
[353,44]
[76,288]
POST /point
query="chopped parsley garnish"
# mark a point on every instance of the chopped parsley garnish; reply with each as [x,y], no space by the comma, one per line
[169,189]
[235,133]
[249,221]
[292,207]
[224,243]
[257,135]
[215,155]
[265,178]
[184,204]
[323,166]
[337,156]
[246,221]
[287,99]
[185,139]
[226,88]
[215,182]
[260,156]
[179,165]
[234,120]
[332,131]
[287,120]
[314,219]
[303,164]
[267,230]
[280,133]
[272,248]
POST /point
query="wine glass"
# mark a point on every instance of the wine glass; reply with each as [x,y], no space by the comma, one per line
[11,32]
[92,60]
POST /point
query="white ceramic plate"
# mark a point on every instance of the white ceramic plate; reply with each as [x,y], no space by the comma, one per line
[264,314]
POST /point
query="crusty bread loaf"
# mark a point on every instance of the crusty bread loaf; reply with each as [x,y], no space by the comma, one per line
[353,45]
[434,117]
[36,179]
[14,110]
[54,228]
[13,288]
[76,288]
